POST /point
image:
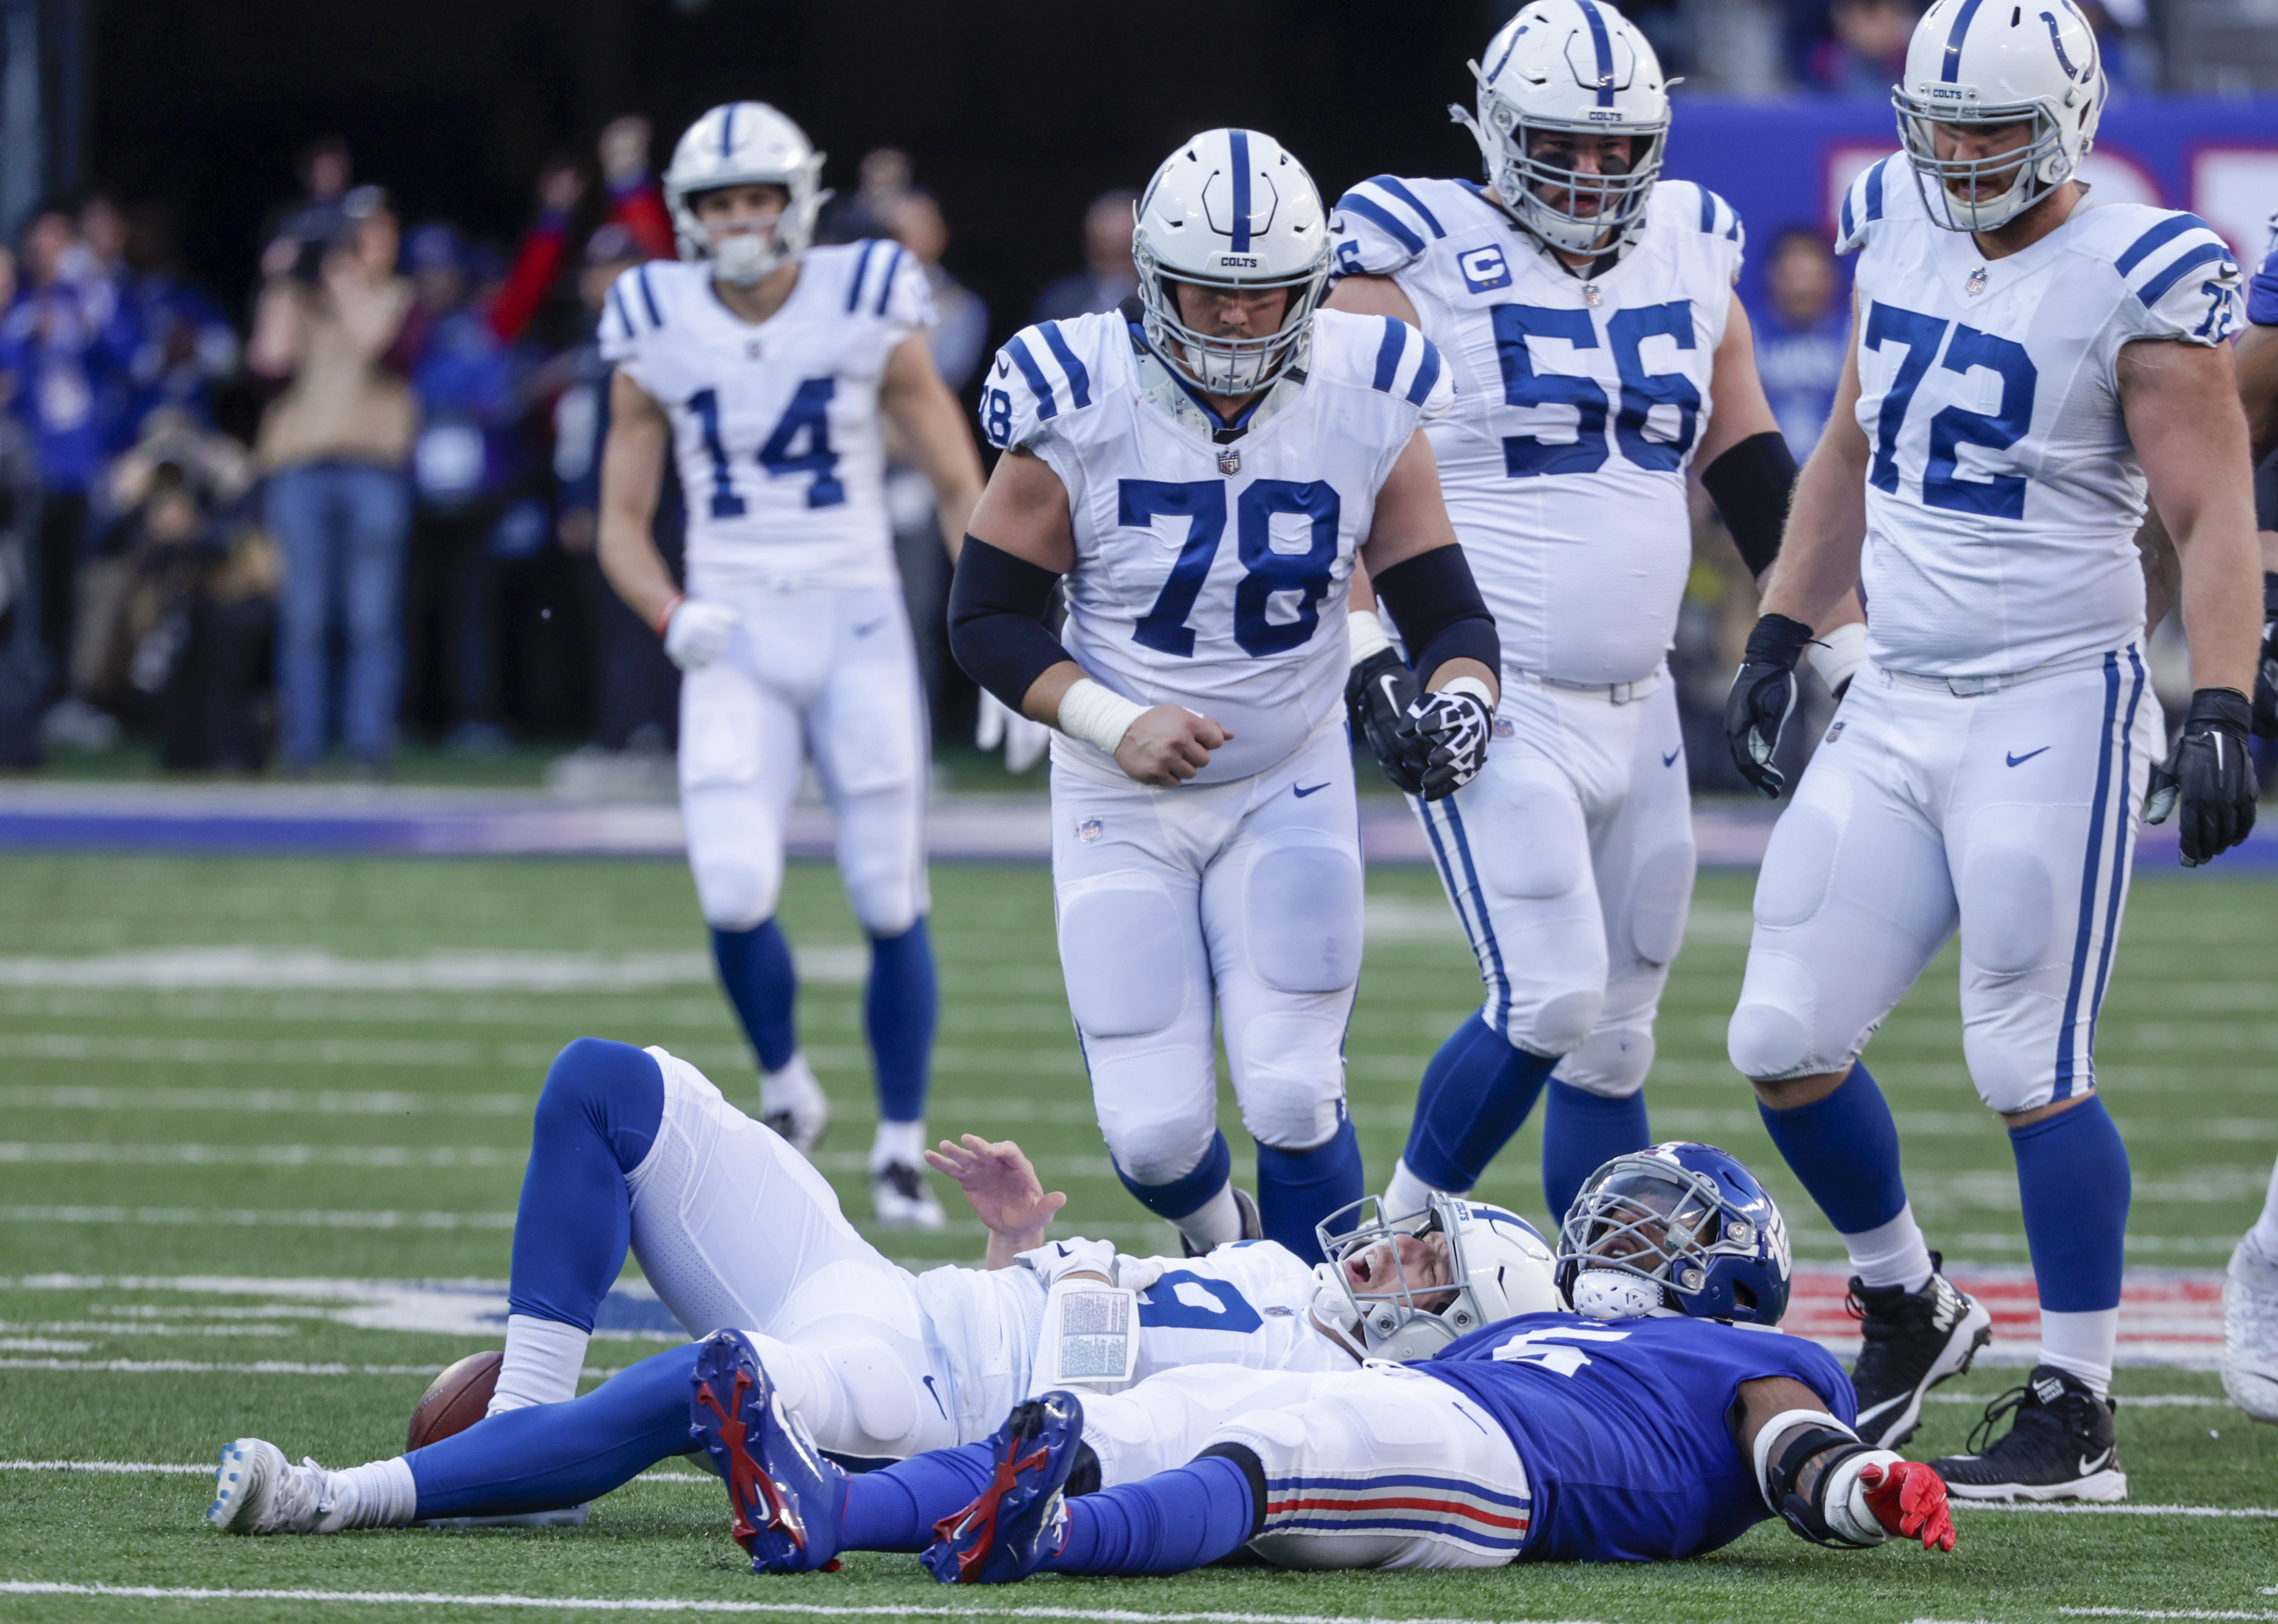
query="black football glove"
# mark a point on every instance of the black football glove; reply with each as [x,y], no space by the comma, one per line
[2266,676]
[1762,696]
[2210,775]
[1376,697]
[1443,740]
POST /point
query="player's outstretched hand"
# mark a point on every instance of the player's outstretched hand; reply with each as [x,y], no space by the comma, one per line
[1762,696]
[1378,694]
[1001,1185]
[1443,740]
[1168,744]
[696,632]
[1909,1498]
[2209,774]
[1024,741]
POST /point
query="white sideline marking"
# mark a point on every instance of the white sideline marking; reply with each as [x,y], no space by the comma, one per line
[2157,1612]
[257,1218]
[2127,1400]
[281,968]
[569,1604]
[270,1155]
[326,1101]
[2082,1509]
[133,1468]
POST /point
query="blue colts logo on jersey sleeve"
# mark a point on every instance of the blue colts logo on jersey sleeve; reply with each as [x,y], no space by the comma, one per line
[1485,269]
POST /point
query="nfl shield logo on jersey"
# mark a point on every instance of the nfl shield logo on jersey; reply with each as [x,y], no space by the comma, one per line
[1229,461]
[1089,831]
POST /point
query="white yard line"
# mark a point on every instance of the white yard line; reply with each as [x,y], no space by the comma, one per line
[257,1218]
[129,1468]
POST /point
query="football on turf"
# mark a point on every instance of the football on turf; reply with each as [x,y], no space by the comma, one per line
[456,1399]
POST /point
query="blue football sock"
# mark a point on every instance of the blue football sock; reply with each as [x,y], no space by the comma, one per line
[1475,1095]
[895,1508]
[1297,1189]
[2072,1177]
[755,969]
[597,1117]
[1844,1149]
[1581,1133]
[899,1011]
[548,1455]
[1186,1195]
[1169,1523]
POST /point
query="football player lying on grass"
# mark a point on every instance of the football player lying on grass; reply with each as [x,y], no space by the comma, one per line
[734,1229]
[1662,1421]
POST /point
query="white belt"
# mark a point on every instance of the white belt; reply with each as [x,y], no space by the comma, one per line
[1972,687]
[1613,693]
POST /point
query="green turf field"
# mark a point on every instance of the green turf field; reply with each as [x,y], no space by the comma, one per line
[371,1124]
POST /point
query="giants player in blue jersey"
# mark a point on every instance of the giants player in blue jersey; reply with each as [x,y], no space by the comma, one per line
[2026,366]
[1586,308]
[765,367]
[1662,1421]
[1204,467]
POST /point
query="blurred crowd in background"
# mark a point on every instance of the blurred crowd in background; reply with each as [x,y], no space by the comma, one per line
[298,525]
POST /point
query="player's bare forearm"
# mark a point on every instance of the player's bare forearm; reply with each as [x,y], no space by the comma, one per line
[1368,295]
[632,473]
[2257,360]
[2181,404]
[932,426]
[1362,595]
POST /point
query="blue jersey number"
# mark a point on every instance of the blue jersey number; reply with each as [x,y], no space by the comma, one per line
[1525,455]
[807,418]
[1301,579]
[2000,496]
[1167,1304]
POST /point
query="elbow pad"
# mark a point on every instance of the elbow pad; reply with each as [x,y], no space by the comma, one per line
[1752,485]
[997,631]
[1435,603]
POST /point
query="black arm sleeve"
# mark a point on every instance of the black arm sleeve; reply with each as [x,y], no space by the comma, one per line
[1752,485]
[1437,606]
[997,606]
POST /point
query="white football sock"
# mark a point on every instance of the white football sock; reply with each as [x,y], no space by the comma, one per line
[1407,1194]
[1893,1253]
[543,1358]
[1215,1222]
[791,1086]
[898,1142]
[2081,1344]
[2264,1234]
[378,1495]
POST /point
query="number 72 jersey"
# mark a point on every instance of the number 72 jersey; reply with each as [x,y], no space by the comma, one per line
[2003,493]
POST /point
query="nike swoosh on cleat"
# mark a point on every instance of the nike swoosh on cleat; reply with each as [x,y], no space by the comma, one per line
[2093,1464]
[2028,756]
[1302,790]
[1670,759]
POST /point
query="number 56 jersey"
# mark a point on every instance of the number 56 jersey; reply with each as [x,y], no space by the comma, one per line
[1212,567]
[2003,494]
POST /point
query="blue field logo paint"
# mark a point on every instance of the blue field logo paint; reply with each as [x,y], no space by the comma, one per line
[1484,269]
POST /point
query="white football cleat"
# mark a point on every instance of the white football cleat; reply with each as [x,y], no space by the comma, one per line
[2250,1332]
[258,1492]
[791,1102]
[901,1200]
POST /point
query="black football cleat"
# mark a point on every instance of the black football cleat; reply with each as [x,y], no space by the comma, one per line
[2061,1446]
[1914,1341]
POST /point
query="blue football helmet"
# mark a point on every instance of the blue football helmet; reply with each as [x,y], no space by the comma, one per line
[1681,1227]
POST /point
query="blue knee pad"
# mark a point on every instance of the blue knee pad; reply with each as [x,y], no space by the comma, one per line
[755,968]
[597,1117]
[1297,1189]
[900,1008]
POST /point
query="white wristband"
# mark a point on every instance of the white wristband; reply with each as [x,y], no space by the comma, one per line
[1838,656]
[1365,633]
[1097,714]
[1472,686]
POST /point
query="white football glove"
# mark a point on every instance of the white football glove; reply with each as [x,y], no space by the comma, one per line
[1025,741]
[1057,1259]
[698,632]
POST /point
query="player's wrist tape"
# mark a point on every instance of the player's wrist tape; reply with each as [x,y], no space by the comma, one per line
[2220,707]
[1097,714]
[1778,641]
[1752,485]
[1436,604]
[1475,687]
[1788,1443]
[1838,656]
[996,630]
[664,615]
[1365,635]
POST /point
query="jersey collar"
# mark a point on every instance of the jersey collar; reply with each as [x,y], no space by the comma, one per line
[1169,393]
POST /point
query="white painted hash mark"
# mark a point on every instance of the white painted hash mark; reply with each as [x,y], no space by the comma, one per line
[129,1468]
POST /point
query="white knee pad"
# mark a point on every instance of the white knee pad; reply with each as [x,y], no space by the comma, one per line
[1302,918]
[1289,1078]
[1557,1024]
[2013,1066]
[1151,1148]
[1537,846]
[1661,895]
[858,1396]
[2009,902]
[1770,1035]
[1612,1061]
[1124,950]
[882,862]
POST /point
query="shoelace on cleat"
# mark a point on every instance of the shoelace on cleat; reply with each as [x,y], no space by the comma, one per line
[2013,1401]
[746,1480]
[979,1518]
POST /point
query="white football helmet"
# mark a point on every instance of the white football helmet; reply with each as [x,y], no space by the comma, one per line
[1501,1263]
[745,143]
[1972,64]
[1577,67]
[1230,209]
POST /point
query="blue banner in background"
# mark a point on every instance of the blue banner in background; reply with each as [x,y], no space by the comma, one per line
[1783,164]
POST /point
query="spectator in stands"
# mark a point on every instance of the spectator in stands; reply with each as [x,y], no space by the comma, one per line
[1108,278]
[334,446]
[187,347]
[1863,52]
[22,669]
[1801,333]
[634,201]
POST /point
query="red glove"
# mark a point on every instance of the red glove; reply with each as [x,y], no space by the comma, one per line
[1909,1498]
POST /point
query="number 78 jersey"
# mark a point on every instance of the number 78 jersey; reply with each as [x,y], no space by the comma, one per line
[1212,574]
[2003,494]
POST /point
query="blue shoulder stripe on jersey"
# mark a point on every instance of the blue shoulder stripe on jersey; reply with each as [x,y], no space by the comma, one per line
[1708,206]
[1388,352]
[2165,231]
[1238,142]
[1604,46]
[1079,380]
[861,269]
[1850,226]
[1369,209]
[1047,405]
[1875,190]
[1392,184]
[2156,289]
[886,283]
[617,303]
[1953,69]
[648,297]
[1427,373]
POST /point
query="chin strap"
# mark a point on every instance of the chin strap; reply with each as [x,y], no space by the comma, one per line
[1836,1513]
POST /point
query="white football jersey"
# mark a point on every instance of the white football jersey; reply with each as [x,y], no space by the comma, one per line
[1579,402]
[2003,496]
[1211,572]
[776,425]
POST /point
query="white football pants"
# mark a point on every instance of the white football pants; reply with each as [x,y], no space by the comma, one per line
[2010,810]
[820,673]
[1568,860]
[1239,901]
